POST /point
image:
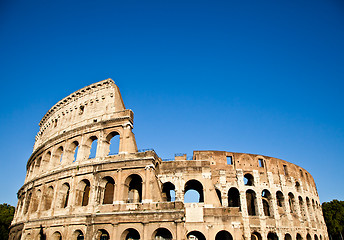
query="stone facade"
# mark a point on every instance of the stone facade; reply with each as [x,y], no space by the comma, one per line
[78,187]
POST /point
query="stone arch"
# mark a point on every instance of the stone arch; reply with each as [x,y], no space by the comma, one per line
[309,206]
[38,165]
[298,186]
[63,196]
[218,193]
[248,179]
[48,198]
[27,202]
[256,236]
[102,234]
[302,208]
[223,235]
[168,192]
[109,190]
[272,236]
[112,143]
[308,237]
[57,156]
[280,199]
[78,235]
[83,192]
[91,147]
[233,197]
[267,203]
[298,236]
[130,234]
[251,202]
[46,160]
[287,236]
[56,236]
[316,237]
[195,235]
[73,151]
[162,234]
[133,188]
[291,201]
[35,202]
[196,186]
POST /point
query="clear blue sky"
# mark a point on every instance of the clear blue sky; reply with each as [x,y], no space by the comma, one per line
[261,77]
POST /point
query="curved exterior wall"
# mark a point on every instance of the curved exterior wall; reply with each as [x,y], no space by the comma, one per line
[75,189]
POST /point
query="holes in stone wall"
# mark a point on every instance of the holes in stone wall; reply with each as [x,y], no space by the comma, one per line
[229,160]
[113,141]
[233,197]
[285,169]
[162,234]
[93,143]
[223,235]
[48,198]
[248,180]
[133,185]
[261,162]
[291,201]
[168,192]
[218,193]
[280,199]
[256,236]
[109,190]
[193,192]
[251,202]
[266,201]
[195,235]
[131,234]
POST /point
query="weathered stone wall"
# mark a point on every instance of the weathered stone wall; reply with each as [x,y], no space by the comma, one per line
[76,189]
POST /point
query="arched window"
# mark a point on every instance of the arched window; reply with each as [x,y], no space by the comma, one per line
[92,142]
[272,236]
[248,179]
[266,200]
[195,235]
[168,192]
[298,236]
[316,237]
[103,235]
[63,196]
[298,187]
[74,148]
[223,235]
[38,165]
[291,201]
[36,200]
[280,199]
[256,236]
[251,202]
[130,234]
[48,198]
[56,236]
[133,186]
[113,141]
[193,192]
[58,155]
[109,190]
[162,234]
[302,207]
[233,197]
[218,193]
[27,202]
[78,235]
[287,236]
[86,193]
[309,237]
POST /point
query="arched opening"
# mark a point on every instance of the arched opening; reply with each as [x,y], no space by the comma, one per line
[248,179]
[45,160]
[251,202]
[102,235]
[256,236]
[113,141]
[37,198]
[287,236]
[130,234]
[193,192]
[38,165]
[58,155]
[27,202]
[280,199]
[298,187]
[309,207]
[218,193]
[302,208]
[86,193]
[78,235]
[74,148]
[63,196]
[168,192]
[223,235]
[195,235]
[109,190]
[266,200]
[56,236]
[298,236]
[48,198]
[291,201]
[233,197]
[92,142]
[162,234]
[133,186]
[316,237]
[308,237]
[272,236]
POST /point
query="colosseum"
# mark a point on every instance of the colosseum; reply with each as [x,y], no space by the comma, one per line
[86,179]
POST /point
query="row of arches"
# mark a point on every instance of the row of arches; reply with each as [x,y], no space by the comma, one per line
[73,151]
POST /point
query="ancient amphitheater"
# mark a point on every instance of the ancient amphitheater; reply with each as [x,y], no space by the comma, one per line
[78,188]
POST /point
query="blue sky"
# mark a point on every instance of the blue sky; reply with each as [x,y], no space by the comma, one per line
[262,77]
